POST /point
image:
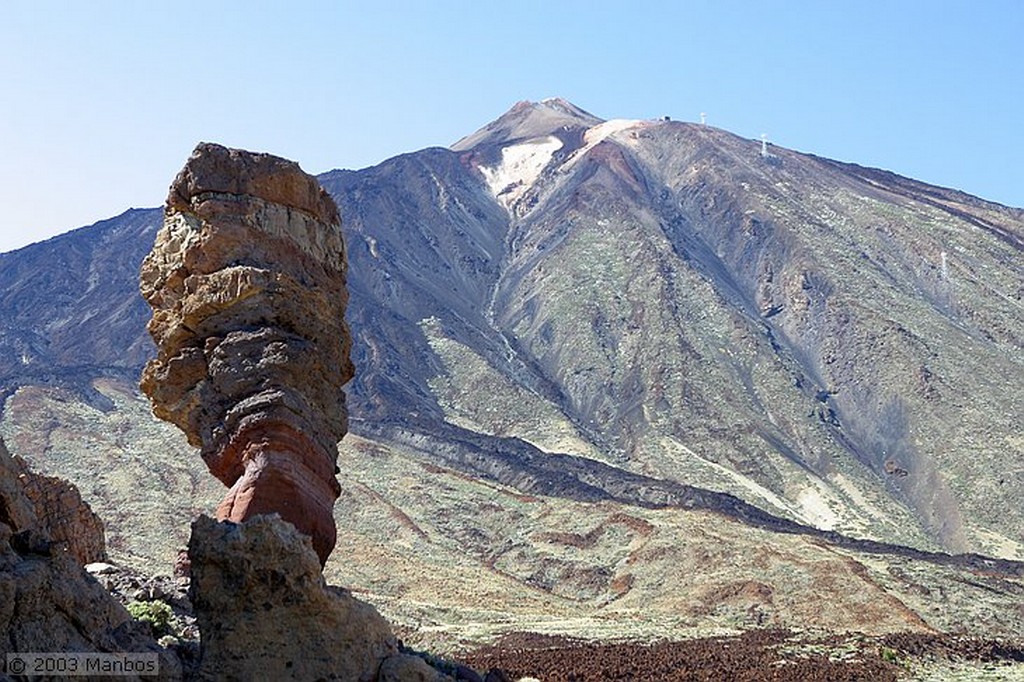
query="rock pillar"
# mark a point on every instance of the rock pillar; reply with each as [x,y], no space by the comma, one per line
[247,285]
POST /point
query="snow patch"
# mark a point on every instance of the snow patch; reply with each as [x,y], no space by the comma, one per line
[521,165]
[597,134]
[602,130]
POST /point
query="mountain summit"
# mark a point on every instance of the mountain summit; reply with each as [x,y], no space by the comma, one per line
[530,120]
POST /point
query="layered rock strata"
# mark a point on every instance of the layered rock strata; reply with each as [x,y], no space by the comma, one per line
[247,285]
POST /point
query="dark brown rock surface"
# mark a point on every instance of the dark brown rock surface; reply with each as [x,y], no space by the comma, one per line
[49,507]
[757,656]
[247,285]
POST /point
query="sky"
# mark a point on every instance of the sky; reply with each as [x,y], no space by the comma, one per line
[102,102]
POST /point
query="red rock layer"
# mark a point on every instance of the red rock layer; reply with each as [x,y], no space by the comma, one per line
[247,285]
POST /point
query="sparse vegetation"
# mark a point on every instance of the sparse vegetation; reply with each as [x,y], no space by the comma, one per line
[157,613]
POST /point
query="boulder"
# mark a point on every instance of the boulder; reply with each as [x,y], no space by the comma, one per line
[407,668]
[64,515]
[265,612]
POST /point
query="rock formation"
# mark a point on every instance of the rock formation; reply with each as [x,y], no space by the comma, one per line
[63,515]
[247,285]
[265,612]
[47,600]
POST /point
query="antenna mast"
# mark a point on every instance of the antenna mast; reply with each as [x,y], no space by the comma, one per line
[703,118]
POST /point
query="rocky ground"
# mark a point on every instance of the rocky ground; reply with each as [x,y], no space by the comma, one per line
[146,598]
[756,656]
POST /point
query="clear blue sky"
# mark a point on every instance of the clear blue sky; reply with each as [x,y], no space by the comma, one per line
[103,101]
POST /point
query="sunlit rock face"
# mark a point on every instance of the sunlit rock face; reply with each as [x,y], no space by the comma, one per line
[266,613]
[247,285]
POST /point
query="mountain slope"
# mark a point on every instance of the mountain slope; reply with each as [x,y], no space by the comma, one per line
[69,308]
[780,317]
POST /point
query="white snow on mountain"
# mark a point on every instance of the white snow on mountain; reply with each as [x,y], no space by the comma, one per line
[603,130]
[521,165]
[595,135]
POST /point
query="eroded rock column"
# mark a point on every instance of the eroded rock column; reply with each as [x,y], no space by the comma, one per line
[247,285]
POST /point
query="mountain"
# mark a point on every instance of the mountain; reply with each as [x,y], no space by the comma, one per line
[597,360]
[823,341]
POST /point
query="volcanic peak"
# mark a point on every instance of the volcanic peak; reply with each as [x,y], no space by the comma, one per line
[513,151]
[530,120]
